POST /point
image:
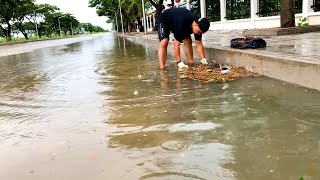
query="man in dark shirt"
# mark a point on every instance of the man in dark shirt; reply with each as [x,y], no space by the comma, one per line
[182,23]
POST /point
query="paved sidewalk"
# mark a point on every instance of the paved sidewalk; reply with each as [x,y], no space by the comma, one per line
[291,58]
[300,47]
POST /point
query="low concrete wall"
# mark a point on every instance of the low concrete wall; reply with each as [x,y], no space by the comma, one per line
[288,69]
[261,22]
[281,31]
[302,73]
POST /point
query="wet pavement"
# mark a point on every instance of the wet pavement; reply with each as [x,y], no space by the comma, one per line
[17,48]
[299,46]
[101,109]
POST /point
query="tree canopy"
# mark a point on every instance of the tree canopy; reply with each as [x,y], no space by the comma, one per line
[130,9]
[28,18]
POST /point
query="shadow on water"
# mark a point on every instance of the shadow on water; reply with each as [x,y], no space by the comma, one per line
[155,125]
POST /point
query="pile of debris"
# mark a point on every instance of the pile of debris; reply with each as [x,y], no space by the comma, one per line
[215,73]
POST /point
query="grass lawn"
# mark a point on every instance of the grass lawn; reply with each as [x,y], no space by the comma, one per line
[31,38]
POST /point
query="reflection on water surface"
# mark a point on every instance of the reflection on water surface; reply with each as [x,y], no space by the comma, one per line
[101,109]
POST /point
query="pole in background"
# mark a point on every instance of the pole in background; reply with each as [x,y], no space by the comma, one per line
[115,13]
[144,18]
[35,20]
[121,18]
[71,29]
[59,26]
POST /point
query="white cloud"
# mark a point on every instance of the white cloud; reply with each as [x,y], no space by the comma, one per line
[80,9]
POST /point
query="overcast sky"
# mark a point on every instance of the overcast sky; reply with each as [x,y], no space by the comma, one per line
[80,9]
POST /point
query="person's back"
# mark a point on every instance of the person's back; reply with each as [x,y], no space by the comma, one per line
[179,22]
[182,23]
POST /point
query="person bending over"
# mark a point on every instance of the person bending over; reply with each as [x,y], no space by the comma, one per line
[181,22]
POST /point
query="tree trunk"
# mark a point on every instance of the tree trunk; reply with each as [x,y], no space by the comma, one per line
[39,31]
[159,8]
[287,13]
[34,27]
[8,32]
[22,30]
[140,27]
[4,31]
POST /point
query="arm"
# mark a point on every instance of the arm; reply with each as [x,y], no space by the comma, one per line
[200,49]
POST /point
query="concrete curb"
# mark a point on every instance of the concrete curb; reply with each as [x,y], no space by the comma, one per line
[285,68]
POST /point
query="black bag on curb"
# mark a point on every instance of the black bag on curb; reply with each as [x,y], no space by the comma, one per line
[245,43]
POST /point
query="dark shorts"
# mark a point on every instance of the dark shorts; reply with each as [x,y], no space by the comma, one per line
[163,29]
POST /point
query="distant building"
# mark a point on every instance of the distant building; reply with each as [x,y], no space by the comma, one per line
[247,14]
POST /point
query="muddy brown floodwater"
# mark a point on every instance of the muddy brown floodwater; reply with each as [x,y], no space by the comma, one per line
[101,109]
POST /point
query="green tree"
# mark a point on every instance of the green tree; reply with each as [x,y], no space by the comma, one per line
[20,13]
[130,9]
[272,7]
[237,9]
[107,8]
[213,10]
[67,23]
[8,10]
[39,12]
[97,29]
[87,27]
[159,8]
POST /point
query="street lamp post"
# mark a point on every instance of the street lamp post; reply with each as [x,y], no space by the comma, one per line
[59,25]
[71,29]
[116,21]
[35,20]
[144,18]
[115,13]
[121,18]
[87,27]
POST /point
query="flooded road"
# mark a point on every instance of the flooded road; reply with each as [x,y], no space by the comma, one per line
[101,109]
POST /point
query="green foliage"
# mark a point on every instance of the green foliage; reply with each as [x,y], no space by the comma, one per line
[237,9]
[57,21]
[23,15]
[303,22]
[131,10]
[212,8]
[272,7]
[89,28]
[9,10]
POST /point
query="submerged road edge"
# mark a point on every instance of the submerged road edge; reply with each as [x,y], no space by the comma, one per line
[278,66]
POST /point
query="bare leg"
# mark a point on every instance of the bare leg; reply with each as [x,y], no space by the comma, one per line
[164,79]
[188,50]
[162,52]
[177,50]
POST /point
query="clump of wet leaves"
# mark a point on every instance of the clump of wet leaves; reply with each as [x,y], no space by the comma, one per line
[213,73]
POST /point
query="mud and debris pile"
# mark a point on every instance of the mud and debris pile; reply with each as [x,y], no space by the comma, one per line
[216,73]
